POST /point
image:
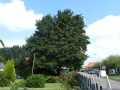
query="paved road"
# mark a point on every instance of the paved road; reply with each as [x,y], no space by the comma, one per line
[115,85]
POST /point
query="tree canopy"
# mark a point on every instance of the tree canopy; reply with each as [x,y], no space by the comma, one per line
[59,40]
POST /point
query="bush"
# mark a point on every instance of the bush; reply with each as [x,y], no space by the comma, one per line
[52,79]
[18,83]
[21,82]
[70,80]
[3,82]
[83,70]
[35,81]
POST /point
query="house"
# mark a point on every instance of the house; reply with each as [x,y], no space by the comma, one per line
[84,67]
[90,65]
[2,65]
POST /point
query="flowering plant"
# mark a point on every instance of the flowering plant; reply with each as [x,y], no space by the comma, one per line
[70,80]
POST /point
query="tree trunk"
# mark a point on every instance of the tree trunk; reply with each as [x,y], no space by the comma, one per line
[58,71]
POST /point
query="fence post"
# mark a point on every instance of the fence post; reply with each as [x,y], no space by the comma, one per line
[93,86]
[90,83]
[96,86]
[101,88]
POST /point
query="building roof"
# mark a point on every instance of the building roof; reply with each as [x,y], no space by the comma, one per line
[90,64]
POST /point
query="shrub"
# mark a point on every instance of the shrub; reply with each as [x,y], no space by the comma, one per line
[35,81]
[83,70]
[70,80]
[9,70]
[52,79]
[16,87]
[21,82]
[3,81]
[18,83]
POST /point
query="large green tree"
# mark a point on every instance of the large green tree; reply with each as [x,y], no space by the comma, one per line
[59,40]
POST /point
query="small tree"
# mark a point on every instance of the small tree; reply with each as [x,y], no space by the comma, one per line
[9,70]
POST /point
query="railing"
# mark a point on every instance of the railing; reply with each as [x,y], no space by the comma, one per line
[88,83]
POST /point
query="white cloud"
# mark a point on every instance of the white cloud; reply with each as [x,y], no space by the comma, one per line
[15,16]
[105,38]
[10,43]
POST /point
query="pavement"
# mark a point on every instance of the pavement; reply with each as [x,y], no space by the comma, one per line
[106,84]
[115,85]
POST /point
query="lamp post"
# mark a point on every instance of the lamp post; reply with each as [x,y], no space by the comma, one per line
[99,60]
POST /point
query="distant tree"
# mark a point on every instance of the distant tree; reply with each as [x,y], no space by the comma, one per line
[97,65]
[15,52]
[112,62]
[9,70]
[59,40]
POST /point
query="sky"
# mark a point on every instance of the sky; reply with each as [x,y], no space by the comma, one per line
[102,18]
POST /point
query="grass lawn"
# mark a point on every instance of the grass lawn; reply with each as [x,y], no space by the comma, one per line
[48,86]
[114,77]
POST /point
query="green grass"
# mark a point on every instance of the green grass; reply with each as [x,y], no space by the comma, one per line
[115,77]
[48,86]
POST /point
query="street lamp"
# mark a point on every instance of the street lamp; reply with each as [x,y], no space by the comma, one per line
[99,60]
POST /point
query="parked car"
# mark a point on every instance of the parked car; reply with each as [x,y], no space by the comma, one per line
[96,71]
[91,72]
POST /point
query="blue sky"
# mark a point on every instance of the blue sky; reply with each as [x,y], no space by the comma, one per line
[102,17]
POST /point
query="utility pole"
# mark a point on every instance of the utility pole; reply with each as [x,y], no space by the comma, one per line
[33,63]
